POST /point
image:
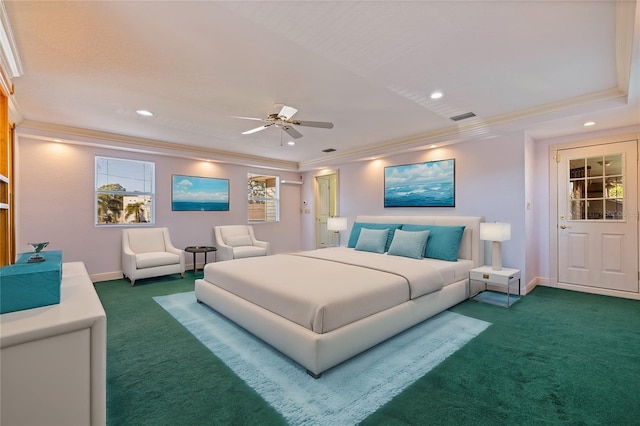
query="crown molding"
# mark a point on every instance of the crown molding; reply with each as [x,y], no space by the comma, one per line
[9,58]
[627,17]
[10,64]
[476,128]
[73,135]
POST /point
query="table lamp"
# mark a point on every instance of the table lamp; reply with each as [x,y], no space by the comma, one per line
[496,232]
[336,224]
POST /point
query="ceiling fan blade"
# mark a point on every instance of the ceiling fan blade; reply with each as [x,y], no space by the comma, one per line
[257,129]
[319,124]
[287,112]
[247,118]
[292,132]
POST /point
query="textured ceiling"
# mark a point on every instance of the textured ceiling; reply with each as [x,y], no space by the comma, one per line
[368,67]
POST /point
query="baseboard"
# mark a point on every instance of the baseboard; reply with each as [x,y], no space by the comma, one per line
[583,289]
[106,276]
[536,281]
[600,291]
[109,276]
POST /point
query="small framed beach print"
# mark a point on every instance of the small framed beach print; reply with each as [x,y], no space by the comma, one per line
[429,184]
[192,193]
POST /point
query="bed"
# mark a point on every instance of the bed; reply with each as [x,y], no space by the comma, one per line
[322,307]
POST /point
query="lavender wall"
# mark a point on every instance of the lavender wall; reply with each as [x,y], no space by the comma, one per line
[490,182]
[504,179]
[55,202]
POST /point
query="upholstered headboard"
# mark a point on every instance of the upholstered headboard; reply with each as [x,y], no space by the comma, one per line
[471,247]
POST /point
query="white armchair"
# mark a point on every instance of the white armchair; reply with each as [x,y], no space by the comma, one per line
[238,241]
[148,252]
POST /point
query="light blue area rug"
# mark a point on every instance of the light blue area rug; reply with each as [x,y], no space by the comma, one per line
[345,394]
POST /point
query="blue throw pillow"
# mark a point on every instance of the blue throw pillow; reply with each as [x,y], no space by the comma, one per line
[373,240]
[409,243]
[355,232]
[443,242]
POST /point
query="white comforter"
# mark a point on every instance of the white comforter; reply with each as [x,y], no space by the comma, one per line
[325,289]
[422,276]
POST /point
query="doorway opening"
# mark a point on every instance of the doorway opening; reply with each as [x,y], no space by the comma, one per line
[326,206]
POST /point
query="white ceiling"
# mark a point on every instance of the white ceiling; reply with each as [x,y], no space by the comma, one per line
[367,66]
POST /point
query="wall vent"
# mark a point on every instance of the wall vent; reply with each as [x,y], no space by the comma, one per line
[463,116]
[328,150]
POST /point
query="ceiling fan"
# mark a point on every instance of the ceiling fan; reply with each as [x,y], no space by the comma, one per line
[284,121]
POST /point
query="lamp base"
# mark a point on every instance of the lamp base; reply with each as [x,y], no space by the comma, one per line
[335,239]
[496,256]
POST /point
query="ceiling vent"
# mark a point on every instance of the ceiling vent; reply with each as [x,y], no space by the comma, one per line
[463,116]
[328,150]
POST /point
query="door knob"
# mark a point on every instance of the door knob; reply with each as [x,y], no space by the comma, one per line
[564,227]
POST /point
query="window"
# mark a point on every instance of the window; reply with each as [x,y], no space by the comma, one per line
[596,188]
[264,198]
[125,191]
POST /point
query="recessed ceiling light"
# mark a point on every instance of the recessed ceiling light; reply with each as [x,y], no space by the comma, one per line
[291,143]
[144,112]
[436,95]
[433,146]
[589,123]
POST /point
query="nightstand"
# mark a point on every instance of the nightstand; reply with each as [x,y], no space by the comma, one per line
[505,278]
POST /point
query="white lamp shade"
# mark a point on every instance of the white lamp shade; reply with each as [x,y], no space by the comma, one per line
[495,231]
[337,223]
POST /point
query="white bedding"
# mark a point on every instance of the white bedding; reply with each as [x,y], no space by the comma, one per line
[319,351]
[423,275]
[340,285]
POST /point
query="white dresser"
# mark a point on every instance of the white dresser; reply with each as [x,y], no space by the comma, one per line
[53,359]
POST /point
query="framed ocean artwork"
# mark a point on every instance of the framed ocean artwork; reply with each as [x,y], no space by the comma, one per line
[192,193]
[429,184]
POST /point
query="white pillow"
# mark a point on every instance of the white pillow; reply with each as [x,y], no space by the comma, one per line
[238,240]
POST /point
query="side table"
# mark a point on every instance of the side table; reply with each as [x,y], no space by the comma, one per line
[200,249]
[505,278]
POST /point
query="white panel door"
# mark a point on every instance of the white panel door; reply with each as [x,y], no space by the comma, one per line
[598,216]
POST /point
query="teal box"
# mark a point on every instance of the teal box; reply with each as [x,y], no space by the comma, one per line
[26,285]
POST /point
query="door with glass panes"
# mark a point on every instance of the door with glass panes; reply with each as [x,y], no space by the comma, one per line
[598,216]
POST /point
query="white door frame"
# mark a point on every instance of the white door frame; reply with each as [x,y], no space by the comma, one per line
[553,210]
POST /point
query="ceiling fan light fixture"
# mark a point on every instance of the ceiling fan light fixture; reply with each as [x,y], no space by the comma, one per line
[287,112]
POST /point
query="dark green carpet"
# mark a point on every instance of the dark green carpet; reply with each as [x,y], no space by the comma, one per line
[159,374]
[556,357]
